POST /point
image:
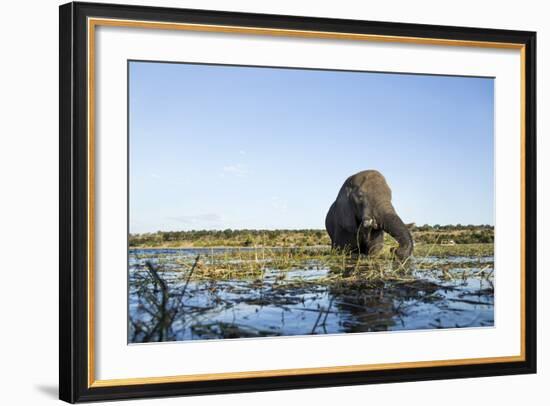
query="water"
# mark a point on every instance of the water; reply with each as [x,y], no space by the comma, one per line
[450,292]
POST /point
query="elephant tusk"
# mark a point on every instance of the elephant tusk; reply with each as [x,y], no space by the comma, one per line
[370,223]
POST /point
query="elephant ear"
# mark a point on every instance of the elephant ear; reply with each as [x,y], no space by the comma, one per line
[345,215]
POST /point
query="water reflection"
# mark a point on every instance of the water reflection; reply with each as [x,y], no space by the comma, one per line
[170,301]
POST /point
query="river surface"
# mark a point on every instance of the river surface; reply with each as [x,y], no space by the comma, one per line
[174,304]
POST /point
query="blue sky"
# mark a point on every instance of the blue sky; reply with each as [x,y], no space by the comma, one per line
[215,147]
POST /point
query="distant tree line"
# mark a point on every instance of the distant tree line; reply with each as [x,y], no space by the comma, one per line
[450,227]
[462,237]
[457,234]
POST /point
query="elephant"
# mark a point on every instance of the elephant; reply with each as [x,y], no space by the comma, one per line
[362,212]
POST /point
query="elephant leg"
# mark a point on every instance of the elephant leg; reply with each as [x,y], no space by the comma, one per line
[363,244]
[376,241]
[345,240]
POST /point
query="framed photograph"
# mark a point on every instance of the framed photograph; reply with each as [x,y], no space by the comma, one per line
[254,202]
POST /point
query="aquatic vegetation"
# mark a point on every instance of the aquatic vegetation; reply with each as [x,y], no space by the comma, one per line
[213,293]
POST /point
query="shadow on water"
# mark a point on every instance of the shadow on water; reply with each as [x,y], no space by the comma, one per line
[171,298]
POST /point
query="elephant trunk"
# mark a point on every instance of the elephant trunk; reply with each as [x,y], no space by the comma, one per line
[392,223]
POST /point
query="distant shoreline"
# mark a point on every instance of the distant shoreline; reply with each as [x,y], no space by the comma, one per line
[227,239]
[226,247]
[217,247]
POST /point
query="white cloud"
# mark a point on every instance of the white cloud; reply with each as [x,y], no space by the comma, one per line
[238,170]
[210,218]
[279,204]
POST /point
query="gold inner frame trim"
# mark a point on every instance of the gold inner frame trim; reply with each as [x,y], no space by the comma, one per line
[94,22]
[299,371]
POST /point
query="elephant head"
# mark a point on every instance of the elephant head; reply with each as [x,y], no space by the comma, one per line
[362,213]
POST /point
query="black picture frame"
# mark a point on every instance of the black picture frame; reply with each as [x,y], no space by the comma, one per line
[74,199]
